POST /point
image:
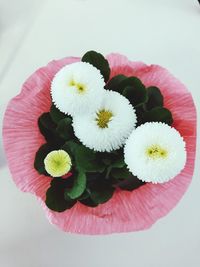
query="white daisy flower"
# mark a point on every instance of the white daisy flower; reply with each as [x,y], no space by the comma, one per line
[108,127]
[155,152]
[77,88]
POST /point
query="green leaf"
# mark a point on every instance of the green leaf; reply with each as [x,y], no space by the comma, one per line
[65,129]
[114,83]
[39,158]
[85,158]
[106,161]
[122,173]
[46,126]
[155,98]
[158,114]
[119,163]
[98,61]
[88,202]
[101,191]
[78,186]
[111,157]
[55,199]
[56,114]
[135,91]
[85,195]
[139,114]
[70,147]
[125,179]
[48,129]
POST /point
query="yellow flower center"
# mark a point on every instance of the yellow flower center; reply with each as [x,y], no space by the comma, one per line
[57,163]
[103,118]
[81,88]
[156,152]
[72,83]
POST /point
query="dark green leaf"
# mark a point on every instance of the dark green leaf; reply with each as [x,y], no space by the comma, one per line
[48,129]
[55,199]
[56,114]
[130,184]
[102,193]
[139,114]
[85,158]
[155,98]
[85,195]
[137,96]
[65,129]
[131,81]
[100,190]
[39,158]
[111,157]
[92,177]
[119,163]
[125,180]
[98,61]
[158,114]
[78,186]
[46,125]
[114,83]
[135,91]
[70,147]
[88,202]
[106,161]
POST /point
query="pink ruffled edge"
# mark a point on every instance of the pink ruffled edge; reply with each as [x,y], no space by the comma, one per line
[126,211]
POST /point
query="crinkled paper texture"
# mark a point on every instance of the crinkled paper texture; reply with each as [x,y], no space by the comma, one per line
[126,211]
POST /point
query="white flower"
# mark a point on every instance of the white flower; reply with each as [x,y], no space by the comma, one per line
[108,127]
[155,152]
[77,88]
[57,163]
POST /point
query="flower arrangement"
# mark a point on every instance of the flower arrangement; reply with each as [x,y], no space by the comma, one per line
[106,144]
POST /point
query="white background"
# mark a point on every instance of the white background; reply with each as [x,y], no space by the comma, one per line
[154,31]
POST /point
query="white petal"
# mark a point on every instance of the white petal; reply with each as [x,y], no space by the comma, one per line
[119,127]
[68,98]
[159,169]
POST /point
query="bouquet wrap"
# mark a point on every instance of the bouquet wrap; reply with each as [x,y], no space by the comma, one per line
[125,211]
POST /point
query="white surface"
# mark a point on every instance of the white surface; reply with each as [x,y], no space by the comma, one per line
[154,31]
[15,19]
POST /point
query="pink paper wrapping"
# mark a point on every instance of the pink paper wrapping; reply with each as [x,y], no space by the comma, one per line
[126,211]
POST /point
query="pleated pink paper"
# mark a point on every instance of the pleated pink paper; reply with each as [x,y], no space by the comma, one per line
[126,211]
